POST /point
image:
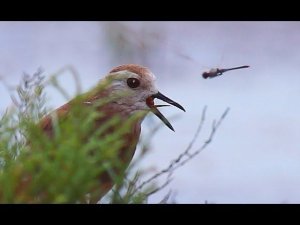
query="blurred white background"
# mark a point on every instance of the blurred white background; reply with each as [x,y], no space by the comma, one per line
[255,156]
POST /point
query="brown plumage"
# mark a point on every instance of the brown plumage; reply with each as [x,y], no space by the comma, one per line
[131,89]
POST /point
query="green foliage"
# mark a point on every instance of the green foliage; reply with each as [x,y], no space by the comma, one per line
[65,168]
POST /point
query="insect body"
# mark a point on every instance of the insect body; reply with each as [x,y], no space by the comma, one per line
[218,72]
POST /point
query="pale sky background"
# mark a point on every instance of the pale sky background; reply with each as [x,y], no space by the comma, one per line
[255,156]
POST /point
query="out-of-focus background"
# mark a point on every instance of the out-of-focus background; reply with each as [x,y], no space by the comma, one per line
[255,157]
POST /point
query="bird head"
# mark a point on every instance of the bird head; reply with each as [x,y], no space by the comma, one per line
[136,86]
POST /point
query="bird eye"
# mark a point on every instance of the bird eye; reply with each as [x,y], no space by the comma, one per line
[133,82]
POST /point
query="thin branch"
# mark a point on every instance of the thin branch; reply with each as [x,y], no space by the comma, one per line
[166,198]
[179,161]
[215,126]
[159,188]
[74,73]
[198,129]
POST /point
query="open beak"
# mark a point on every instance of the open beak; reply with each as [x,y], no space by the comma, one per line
[150,103]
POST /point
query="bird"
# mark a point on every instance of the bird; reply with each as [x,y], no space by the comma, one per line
[131,89]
